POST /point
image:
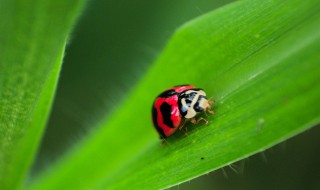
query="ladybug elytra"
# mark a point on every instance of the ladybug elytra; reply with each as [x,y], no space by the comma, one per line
[176,105]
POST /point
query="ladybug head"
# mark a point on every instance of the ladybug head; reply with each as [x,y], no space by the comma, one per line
[193,101]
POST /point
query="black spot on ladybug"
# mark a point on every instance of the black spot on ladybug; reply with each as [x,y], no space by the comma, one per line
[188,101]
[167,93]
[154,119]
[202,158]
[196,106]
[188,97]
[183,110]
[165,109]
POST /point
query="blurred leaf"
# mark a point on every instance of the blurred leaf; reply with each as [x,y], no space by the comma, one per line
[258,59]
[33,37]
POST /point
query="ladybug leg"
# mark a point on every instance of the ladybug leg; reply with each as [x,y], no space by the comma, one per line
[210,111]
[196,121]
[185,131]
[193,120]
[163,141]
[205,113]
[184,122]
[203,119]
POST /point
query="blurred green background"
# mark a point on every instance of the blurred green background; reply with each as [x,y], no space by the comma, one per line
[112,45]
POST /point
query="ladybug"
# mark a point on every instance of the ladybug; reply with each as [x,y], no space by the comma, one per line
[174,106]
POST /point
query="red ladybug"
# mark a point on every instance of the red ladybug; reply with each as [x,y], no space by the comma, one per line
[173,106]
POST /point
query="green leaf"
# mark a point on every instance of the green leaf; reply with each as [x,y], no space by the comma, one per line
[33,38]
[257,59]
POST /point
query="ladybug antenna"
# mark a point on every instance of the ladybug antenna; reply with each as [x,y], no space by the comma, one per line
[165,141]
[211,98]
